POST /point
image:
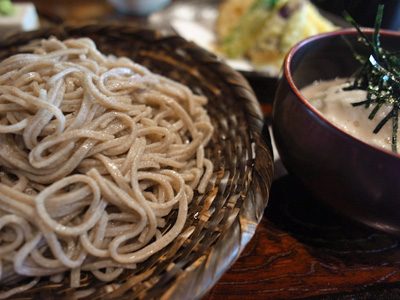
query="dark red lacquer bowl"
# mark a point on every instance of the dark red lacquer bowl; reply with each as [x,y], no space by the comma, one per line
[357,179]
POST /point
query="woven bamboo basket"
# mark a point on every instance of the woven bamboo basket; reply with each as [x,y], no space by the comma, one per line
[220,222]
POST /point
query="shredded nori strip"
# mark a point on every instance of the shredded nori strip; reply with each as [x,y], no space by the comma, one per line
[378,75]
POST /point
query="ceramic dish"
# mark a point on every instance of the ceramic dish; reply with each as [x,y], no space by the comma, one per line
[359,180]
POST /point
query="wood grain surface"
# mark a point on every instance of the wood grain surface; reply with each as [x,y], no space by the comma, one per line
[303,249]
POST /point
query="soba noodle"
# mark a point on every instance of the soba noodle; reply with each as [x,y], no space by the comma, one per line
[95,152]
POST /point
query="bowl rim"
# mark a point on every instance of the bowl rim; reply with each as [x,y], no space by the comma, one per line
[288,75]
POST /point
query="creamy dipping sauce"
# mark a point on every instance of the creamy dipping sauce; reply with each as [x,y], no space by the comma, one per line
[329,98]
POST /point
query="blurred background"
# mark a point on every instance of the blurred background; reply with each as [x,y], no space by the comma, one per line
[363,11]
[198,20]
[87,10]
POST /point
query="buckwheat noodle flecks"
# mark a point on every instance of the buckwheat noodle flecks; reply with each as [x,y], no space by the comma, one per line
[95,152]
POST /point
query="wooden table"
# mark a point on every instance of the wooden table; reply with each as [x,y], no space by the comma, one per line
[301,249]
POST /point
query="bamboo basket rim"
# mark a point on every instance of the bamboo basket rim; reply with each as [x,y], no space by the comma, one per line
[202,273]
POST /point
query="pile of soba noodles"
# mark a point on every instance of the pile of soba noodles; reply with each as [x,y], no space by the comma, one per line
[95,152]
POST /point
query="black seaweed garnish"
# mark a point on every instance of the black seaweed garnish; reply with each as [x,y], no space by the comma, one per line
[379,76]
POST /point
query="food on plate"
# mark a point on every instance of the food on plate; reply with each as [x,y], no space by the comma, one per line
[17,17]
[367,104]
[264,30]
[95,152]
[230,13]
